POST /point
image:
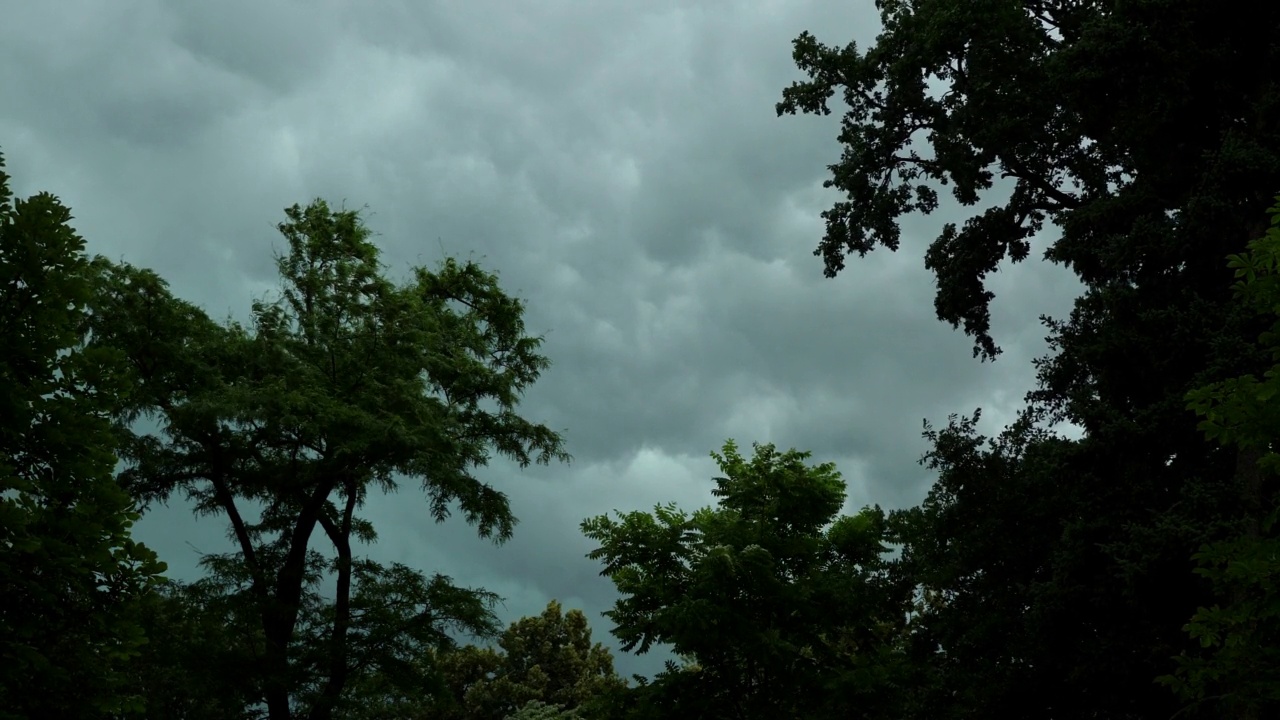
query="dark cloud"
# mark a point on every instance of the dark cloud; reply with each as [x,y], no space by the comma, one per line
[618,164]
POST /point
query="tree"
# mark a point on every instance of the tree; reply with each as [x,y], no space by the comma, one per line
[72,575]
[1144,131]
[543,664]
[1242,630]
[782,609]
[345,381]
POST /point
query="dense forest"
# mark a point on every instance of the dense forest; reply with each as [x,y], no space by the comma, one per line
[1127,574]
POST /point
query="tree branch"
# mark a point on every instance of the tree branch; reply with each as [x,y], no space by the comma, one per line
[1015,168]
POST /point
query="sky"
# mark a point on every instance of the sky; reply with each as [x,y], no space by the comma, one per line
[620,166]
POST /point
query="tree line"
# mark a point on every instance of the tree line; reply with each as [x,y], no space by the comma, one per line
[1126,574]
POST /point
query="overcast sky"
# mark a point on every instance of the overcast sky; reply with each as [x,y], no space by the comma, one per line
[620,166]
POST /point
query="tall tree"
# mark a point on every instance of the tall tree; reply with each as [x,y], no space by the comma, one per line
[782,609]
[72,576]
[1147,132]
[346,381]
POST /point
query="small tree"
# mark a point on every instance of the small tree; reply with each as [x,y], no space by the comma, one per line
[770,597]
[547,659]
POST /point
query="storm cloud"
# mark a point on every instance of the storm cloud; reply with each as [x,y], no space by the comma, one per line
[619,165]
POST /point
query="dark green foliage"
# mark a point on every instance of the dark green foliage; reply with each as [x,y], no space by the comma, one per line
[71,575]
[201,658]
[344,382]
[401,621]
[1240,633]
[986,551]
[781,609]
[205,658]
[1059,572]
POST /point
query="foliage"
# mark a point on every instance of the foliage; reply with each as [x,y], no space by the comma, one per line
[547,659]
[206,655]
[982,551]
[345,381]
[1242,410]
[538,710]
[200,662]
[1147,133]
[463,670]
[400,621]
[775,602]
[1242,631]
[72,576]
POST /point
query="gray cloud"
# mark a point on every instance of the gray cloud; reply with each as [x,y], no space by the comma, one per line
[618,164]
